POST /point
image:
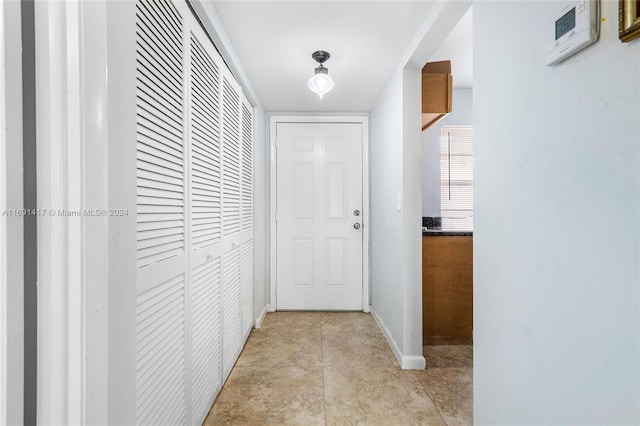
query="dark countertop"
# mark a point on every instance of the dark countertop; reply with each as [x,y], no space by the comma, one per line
[434,233]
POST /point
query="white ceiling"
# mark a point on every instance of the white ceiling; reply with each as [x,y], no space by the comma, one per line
[366,39]
[458,48]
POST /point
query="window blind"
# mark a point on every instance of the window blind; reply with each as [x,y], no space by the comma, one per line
[456,178]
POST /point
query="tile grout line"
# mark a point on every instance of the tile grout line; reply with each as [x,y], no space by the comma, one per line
[435,404]
[448,368]
[324,395]
[433,401]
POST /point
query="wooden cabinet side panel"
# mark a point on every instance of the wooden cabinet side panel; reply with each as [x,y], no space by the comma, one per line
[447,290]
[449,93]
[437,93]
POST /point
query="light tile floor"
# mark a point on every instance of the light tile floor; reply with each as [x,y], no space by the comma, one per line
[327,368]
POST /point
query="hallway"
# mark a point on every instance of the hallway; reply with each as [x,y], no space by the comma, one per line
[316,368]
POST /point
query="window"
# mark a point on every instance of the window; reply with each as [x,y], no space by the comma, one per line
[456,178]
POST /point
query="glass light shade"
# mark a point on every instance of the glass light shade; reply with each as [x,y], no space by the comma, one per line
[321,83]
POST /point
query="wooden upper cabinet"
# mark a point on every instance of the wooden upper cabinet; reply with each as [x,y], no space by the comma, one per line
[437,90]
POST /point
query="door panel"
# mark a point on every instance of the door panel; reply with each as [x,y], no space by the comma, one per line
[231,159]
[161,334]
[231,308]
[206,340]
[205,148]
[319,186]
[246,275]
[161,198]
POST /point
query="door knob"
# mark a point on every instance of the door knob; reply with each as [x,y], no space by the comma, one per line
[356,225]
[356,212]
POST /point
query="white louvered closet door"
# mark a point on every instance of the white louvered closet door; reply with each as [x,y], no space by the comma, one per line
[205,223]
[195,236]
[231,189]
[161,381]
[237,220]
[246,261]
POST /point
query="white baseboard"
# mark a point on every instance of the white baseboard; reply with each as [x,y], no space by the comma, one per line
[260,318]
[387,335]
[406,362]
[270,308]
[413,363]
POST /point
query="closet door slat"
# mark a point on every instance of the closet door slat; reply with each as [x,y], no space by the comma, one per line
[247,168]
[231,163]
[160,141]
[206,325]
[231,309]
[205,149]
[246,274]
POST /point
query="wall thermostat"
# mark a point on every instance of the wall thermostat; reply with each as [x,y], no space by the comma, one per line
[575,27]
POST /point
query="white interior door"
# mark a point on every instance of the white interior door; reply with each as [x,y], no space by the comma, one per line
[319,210]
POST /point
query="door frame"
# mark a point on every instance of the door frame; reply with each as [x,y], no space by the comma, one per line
[11,223]
[74,103]
[356,119]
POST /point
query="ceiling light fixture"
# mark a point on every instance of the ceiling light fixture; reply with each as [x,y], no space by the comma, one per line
[321,83]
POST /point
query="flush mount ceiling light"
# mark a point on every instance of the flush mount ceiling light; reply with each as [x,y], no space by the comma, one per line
[321,83]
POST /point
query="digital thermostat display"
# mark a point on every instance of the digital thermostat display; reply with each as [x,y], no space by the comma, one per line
[574,26]
[566,23]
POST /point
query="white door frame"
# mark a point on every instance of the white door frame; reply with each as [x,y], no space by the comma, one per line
[73,244]
[364,121]
[11,224]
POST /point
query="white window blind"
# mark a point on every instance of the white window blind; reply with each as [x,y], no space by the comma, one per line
[456,178]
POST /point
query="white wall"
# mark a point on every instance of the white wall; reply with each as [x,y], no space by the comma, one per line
[122,163]
[396,241]
[260,215]
[462,114]
[412,354]
[557,230]
[385,160]
[396,197]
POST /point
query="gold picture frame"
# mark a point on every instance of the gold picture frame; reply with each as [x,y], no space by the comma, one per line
[629,19]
